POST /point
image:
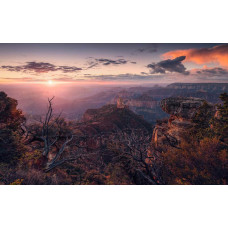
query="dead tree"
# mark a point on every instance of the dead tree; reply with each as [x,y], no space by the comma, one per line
[135,145]
[49,140]
[50,136]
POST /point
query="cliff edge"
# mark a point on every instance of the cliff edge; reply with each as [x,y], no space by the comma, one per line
[182,110]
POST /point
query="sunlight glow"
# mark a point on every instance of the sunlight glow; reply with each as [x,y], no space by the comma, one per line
[50,82]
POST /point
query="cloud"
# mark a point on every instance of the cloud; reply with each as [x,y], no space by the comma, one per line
[216,71]
[92,63]
[12,68]
[61,77]
[213,74]
[169,65]
[210,74]
[144,73]
[69,69]
[24,79]
[106,62]
[41,67]
[67,79]
[124,77]
[149,49]
[217,54]
[88,77]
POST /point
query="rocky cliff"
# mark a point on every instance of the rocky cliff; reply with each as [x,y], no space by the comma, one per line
[8,110]
[141,104]
[181,110]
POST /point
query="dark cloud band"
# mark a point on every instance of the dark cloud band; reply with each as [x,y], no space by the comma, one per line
[213,71]
[107,62]
[41,67]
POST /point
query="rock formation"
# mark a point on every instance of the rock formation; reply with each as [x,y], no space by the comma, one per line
[182,110]
[110,117]
[10,129]
[121,103]
[8,110]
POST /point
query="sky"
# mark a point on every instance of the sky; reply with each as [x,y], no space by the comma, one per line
[113,63]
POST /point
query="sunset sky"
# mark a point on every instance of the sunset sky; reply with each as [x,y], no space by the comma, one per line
[113,63]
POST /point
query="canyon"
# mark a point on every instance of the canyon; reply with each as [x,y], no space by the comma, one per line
[116,140]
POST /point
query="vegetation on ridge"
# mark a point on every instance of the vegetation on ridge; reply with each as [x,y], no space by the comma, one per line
[110,146]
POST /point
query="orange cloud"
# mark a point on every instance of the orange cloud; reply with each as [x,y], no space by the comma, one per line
[216,54]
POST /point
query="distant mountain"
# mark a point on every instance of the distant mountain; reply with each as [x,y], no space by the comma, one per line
[207,87]
[146,101]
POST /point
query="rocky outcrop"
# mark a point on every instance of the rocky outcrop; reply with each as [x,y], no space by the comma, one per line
[11,131]
[121,103]
[170,131]
[181,107]
[8,110]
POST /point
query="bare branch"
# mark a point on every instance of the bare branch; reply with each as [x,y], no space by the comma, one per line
[54,165]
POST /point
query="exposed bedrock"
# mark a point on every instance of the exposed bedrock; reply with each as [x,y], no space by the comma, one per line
[182,110]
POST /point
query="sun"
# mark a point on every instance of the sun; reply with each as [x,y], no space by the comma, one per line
[50,82]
